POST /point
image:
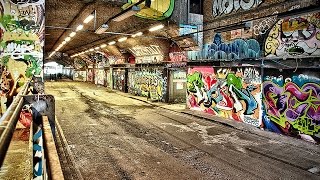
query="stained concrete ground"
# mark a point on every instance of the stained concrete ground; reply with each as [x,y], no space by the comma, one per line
[113,135]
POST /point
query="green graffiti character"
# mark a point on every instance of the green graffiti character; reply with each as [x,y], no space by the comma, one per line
[234,80]
[194,79]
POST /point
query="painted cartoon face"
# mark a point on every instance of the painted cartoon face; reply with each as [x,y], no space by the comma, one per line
[295,35]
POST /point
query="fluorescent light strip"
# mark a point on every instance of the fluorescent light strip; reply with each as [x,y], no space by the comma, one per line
[88,19]
[52,54]
[137,34]
[72,34]
[96,48]
[122,39]
[131,12]
[103,45]
[80,27]
[67,39]
[91,49]
[155,28]
[112,43]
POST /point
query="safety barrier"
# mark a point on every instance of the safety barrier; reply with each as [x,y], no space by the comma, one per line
[9,120]
[21,159]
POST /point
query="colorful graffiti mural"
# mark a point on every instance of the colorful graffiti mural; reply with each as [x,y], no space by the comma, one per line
[148,83]
[78,63]
[294,36]
[153,9]
[99,77]
[227,92]
[90,75]
[236,49]
[22,41]
[119,79]
[107,78]
[100,59]
[292,105]
[80,76]
[221,7]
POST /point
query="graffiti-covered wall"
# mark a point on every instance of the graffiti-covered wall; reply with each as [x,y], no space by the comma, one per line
[80,76]
[22,41]
[119,79]
[150,83]
[90,75]
[292,103]
[294,36]
[226,92]
[100,76]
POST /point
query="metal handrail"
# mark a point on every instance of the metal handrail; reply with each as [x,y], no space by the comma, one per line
[9,120]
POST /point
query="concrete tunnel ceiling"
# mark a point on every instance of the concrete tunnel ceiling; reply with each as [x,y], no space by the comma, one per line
[63,17]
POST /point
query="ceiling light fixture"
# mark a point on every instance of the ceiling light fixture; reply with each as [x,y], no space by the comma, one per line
[126,13]
[137,34]
[63,42]
[88,19]
[103,46]
[67,39]
[120,16]
[96,48]
[102,29]
[80,27]
[155,28]
[52,54]
[112,43]
[72,34]
[91,49]
[122,39]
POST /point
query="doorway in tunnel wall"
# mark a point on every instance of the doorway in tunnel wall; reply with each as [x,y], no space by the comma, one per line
[119,79]
[177,85]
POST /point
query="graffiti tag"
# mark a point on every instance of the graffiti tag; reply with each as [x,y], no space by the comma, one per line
[227,6]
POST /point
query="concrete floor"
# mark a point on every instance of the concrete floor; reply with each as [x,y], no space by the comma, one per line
[116,137]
